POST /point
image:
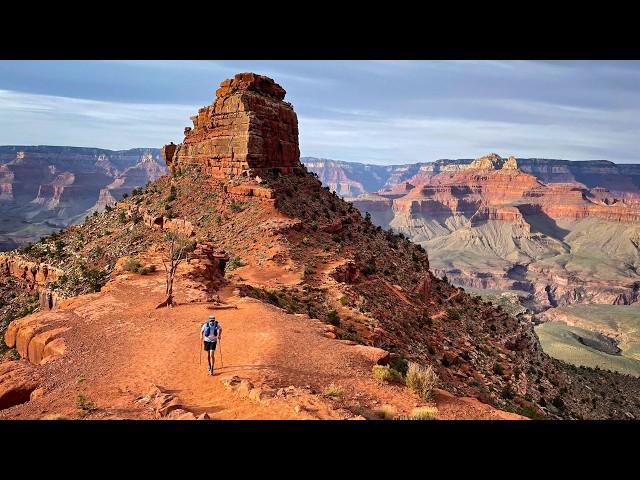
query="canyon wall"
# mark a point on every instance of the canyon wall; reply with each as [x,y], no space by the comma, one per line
[45,188]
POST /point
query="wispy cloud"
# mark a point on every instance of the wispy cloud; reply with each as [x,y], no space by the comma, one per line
[386,111]
[44,119]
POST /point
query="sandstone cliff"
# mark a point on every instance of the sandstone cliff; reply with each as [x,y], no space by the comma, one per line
[45,188]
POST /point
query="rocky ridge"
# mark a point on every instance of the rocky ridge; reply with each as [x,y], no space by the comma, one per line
[304,268]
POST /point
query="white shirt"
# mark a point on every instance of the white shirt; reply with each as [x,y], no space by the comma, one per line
[211,337]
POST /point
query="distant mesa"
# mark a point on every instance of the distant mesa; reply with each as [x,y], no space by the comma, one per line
[249,128]
[493,161]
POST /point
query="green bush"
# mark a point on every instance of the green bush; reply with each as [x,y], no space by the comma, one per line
[333,318]
[233,263]
[132,265]
[235,207]
[172,195]
[421,380]
[384,373]
[507,392]
[497,369]
[400,364]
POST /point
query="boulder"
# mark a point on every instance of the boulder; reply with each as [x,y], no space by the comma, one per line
[374,354]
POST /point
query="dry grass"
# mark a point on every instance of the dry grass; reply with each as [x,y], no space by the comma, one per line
[424,413]
[334,391]
[386,412]
[422,380]
[386,374]
[54,416]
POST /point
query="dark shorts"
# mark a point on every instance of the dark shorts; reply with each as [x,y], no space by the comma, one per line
[209,346]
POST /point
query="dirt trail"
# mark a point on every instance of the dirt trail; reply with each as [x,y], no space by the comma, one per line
[118,346]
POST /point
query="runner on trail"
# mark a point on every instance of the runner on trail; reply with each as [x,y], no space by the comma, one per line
[211,333]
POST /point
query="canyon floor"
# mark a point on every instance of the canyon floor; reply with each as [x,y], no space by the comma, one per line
[119,347]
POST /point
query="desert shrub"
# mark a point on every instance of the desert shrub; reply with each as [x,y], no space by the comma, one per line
[557,402]
[305,241]
[369,267]
[497,369]
[314,225]
[387,374]
[235,207]
[333,391]
[147,270]
[367,217]
[333,318]
[108,208]
[122,217]
[421,380]
[233,263]
[336,238]
[54,416]
[344,300]
[386,412]
[125,195]
[507,392]
[172,195]
[453,314]
[400,364]
[425,320]
[85,405]
[423,413]
[132,265]
[94,278]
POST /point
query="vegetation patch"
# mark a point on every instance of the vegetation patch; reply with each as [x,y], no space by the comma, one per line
[422,380]
[387,374]
[333,391]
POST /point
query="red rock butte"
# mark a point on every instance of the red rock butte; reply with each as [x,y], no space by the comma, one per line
[249,128]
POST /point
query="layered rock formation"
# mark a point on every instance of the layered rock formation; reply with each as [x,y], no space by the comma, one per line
[623,180]
[35,277]
[491,225]
[248,129]
[45,188]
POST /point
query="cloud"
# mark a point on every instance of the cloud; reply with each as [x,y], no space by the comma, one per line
[34,119]
[376,111]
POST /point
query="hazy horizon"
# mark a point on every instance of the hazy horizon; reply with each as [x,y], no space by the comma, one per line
[303,156]
[375,112]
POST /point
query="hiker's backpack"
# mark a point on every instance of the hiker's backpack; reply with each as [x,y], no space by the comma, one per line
[207,329]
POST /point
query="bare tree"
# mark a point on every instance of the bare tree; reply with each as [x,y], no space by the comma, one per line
[178,253]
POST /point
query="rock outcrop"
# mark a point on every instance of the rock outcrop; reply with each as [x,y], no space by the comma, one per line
[249,128]
[482,221]
[17,383]
[32,276]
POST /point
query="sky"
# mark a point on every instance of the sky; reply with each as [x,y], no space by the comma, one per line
[381,112]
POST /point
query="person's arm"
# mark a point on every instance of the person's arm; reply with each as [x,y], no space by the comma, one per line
[219,332]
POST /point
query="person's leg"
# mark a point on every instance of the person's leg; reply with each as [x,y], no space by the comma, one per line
[208,348]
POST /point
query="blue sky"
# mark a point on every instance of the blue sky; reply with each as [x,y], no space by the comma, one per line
[381,112]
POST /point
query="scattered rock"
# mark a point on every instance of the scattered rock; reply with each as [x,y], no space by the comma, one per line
[374,354]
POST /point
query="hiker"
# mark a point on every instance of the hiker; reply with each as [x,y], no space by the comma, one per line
[211,332]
